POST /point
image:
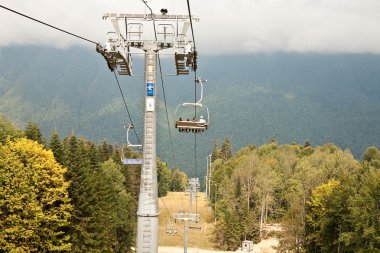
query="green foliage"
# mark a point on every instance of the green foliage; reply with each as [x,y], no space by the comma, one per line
[226,149]
[216,152]
[35,208]
[7,130]
[163,178]
[81,192]
[344,216]
[274,183]
[56,146]
[372,156]
[372,153]
[104,210]
[178,180]
[36,215]
[114,214]
[105,151]
[364,212]
[307,144]
[231,230]
[322,216]
[132,174]
[33,132]
[306,151]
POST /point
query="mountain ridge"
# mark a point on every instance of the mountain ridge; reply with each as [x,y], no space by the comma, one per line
[323,98]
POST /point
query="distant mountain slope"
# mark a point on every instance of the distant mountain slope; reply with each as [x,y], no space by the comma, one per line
[323,98]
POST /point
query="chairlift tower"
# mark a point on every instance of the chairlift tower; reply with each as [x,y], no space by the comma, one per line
[117,53]
[193,188]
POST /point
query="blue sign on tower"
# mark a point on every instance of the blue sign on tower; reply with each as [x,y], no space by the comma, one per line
[150,89]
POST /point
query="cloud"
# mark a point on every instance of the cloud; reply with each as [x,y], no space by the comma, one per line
[225,27]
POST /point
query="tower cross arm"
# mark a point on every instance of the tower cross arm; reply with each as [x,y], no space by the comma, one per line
[148,17]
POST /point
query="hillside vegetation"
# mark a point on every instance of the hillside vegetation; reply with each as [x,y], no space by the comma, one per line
[323,98]
[69,195]
[324,199]
[76,196]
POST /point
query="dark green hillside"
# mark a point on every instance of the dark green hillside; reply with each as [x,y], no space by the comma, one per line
[323,98]
[59,88]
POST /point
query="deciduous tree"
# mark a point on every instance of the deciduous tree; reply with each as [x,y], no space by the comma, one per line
[35,208]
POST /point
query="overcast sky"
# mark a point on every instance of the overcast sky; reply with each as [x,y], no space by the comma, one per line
[225,27]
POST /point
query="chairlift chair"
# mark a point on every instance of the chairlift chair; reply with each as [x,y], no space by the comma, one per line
[124,159]
[171,229]
[196,226]
[195,124]
[185,54]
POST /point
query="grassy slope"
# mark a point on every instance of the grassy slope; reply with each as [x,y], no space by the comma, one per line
[176,201]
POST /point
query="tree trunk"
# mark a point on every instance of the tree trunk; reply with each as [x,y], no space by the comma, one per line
[262,217]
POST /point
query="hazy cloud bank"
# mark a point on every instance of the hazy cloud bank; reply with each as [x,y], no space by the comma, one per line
[226,26]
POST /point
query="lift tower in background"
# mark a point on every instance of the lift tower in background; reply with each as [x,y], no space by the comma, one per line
[117,52]
[192,188]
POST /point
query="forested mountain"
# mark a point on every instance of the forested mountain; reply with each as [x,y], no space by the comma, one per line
[323,98]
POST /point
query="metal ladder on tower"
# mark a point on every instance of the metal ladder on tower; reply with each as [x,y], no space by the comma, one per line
[147,236]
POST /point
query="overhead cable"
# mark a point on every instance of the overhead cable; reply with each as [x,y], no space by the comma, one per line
[191,21]
[146,4]
[195,99]
[80,37]
[167,210]
[166,109]
[126,107]
[54,27]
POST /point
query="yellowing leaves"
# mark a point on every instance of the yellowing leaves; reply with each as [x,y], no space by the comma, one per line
[33,197]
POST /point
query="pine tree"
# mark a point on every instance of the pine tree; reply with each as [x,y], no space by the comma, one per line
[116,156]
[105,151]
[232,230]
[216,154]
[56,146]
[70,155]
[84,197]
[33,132]
[77,161]
[7,130]
[226,149]
[273,139]
[114,220]
[93,155]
